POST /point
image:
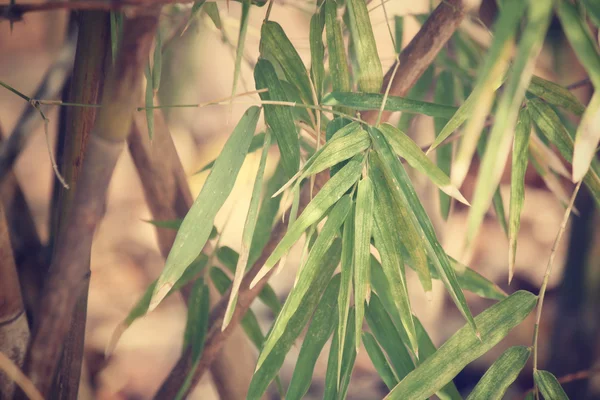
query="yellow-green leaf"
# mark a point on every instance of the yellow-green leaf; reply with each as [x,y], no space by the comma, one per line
[379,361]
[347,272]
[587,138]
[549,385]
[317,50]
[444,94]
[555,94]
[149,99]
[338,61]
[239,51]
[337,386]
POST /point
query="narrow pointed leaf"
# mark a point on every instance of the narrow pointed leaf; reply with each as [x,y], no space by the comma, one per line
[318,333]
[333,389]
[363,227]
[555,94]
[267,372]
[463,347]
[116,29]
[308,274]
[549,385]
[379,361]
[197,224]
[317,50]
[347,272]
[196,8]
[258,141]
[333,190]
[149,99]
[587,138]
[370,74]
[503,372]
[279,119]
[212,10]
[398,32]
[517,185]
[275,44]
[444,94]
[338,61]
[248,232]
[239,51]
[334,128]
[157,62]
[406,148]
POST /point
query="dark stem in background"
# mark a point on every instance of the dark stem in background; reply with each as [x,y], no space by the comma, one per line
[414,60]
[89,71]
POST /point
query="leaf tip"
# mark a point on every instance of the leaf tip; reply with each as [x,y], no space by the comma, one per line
[114,339]
[159,294]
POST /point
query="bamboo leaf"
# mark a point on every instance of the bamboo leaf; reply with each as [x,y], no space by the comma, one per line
[116,29]
[507,112]
[239,51]
[279,119]
[347,272]
[331,192]
[275,44]
[490,73]
[248,233]
[197,224]
[416,93]
[379,361]
[308,274]
[396,177]
[363,227]
[373,101]
[318,333]
[517,185]
[398,32]
[555,94]
[157,62]
[258,141]
[333,130]
[406,148]
[463,347]
[587,138]
[333,389]
[149,99]
[338,61]
[317,50]
[212,10]
[549,385]
[196,8]
[581,40]
[370,74]
[267,372]
[501,374]
[593,10]
[444,94]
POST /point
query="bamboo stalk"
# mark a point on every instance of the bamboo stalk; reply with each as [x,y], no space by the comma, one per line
[414,60]
[68,271]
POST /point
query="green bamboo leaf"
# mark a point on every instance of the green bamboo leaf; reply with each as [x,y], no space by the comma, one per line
[398,32]
[197,224]
[507,112]
[444,94]
[239,51]
[212,10]
[418,93]
[555,94]
[549,385]
[149,101]
[175,224]
[116,29]
[336,385]
[258,141]
[389,337]
[318,333]
[593,10]
[308,274]
[396,177]
[248,233]
[331,192]
[399,219]
[587,138]
[370,74]
[347,272]
[363,228]
[581,40]
[490,73]
[338,60]
[141,306]
[279,119]
[275,44]
[267,372]
[195,330]
[379,361]
[463,347]
[196,8]
[157,62]
[317,50]
[332,130]
[501,374]
[406,148]
[551,126]
[517,185]
[249,322]
[373,101]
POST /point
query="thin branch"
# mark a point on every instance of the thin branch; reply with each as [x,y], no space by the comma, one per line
[68,272]
[414,60]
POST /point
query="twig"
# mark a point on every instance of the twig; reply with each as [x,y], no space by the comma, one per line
[579,84]
[415,59]
[68,272]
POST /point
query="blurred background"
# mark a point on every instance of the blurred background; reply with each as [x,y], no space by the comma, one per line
[198,67]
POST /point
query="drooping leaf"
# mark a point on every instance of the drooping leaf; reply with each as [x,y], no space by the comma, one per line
[331,192]
[149,99]
[318,333]
[363,227]
[501,374]
[212,10]
[379,361]
[336,385]
[196,8]
[549,385]
[406,148]
[587,138]
[555,94]
[274,44]
[593,11]
[248,233]
[317,50]
[267,372]
[308,274]
[116,30]
[280,119]
[369,74]
[398,32]
[258,141]
[239,51]
[338,61]
[157,62]
[333,130]
[347,272]
[463,347]
[197,224]
[517,185]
